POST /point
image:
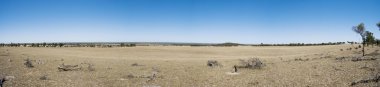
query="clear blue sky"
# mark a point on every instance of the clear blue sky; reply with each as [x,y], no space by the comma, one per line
[204,21]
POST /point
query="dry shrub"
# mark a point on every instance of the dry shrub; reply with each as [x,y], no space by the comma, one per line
[213,63]
[91,67]
[340,58]
[28,63]
[44,77]
[299,59]
[135,64]
[252,63]
[130,76]
[355,59]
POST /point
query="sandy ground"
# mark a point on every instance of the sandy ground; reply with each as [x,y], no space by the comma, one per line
[177,66]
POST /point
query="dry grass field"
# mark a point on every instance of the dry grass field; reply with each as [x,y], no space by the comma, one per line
[184,66]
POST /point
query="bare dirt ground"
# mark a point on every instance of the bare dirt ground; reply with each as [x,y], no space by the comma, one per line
[176,66]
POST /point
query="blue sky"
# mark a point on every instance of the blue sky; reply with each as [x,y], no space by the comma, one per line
[203,21]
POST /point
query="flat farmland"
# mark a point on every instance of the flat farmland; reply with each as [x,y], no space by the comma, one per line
[185,66]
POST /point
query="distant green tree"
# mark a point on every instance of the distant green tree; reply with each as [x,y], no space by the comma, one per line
[360,29]
[370,39]
[38,44]
[61,44]
[122,44]
[43,44]
[378,25]
[55,44]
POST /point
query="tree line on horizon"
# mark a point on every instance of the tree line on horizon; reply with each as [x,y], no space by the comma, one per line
[227,44]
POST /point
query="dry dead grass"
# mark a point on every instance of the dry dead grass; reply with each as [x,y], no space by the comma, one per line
[186,66]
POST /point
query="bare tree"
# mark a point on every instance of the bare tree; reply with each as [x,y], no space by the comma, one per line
[360,29]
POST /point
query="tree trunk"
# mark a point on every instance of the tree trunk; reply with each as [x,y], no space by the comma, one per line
[363,45]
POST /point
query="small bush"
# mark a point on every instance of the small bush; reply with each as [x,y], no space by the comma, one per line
[135,64]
